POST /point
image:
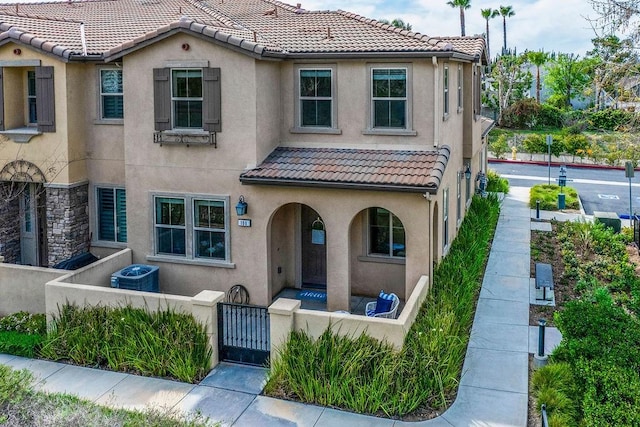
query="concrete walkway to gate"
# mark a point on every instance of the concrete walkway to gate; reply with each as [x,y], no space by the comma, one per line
[493,387]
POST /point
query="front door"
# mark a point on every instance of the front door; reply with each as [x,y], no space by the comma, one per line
[314,249]
[29,226]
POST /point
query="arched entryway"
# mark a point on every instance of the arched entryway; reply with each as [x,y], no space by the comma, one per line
[378,250]
[297,249]
[22,196]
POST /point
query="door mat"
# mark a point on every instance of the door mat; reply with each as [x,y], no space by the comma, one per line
[312,295]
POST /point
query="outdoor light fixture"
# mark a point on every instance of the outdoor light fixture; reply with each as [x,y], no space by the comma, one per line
[241,207]
[467,172]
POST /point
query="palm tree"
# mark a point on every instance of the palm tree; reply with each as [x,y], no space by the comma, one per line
[489,14]
[462,4]
[505,12]
[538,59]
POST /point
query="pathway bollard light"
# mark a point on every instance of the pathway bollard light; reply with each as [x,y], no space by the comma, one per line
[540,359]
[537,209]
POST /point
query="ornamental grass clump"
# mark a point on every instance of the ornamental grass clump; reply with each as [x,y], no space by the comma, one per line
[161,343]
[22,333]
[362,374]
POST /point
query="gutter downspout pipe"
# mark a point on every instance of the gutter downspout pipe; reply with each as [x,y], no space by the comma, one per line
[436,79]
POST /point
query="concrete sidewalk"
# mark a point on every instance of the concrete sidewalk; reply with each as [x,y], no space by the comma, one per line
[493,388]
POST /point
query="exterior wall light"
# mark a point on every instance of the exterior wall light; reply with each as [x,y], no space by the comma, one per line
[241,207]
[467,172]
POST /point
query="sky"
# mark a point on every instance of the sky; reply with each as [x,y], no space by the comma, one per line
[549,25]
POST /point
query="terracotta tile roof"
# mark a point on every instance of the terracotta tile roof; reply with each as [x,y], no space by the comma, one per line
[388,170]
[263,27]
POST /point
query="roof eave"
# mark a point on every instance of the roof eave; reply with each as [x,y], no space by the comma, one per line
[338,185]
[380,55]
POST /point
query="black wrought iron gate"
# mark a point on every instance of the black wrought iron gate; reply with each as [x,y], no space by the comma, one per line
[243,333]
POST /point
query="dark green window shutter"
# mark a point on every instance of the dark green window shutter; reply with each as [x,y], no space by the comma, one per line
[106,211]
[211,109]
[45,100]
[162,98]
[1,100]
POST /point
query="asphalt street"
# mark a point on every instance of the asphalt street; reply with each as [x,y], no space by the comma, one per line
[599,189]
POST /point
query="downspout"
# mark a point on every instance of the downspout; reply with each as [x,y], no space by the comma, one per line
[427,197]
[436,123]
[83,39]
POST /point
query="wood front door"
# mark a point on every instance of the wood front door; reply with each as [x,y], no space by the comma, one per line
[314,249]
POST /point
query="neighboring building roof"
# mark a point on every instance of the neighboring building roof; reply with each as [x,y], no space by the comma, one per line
[487,124]
[263,27]
[387,170]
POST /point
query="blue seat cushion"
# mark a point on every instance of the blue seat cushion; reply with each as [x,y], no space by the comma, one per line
[383,303]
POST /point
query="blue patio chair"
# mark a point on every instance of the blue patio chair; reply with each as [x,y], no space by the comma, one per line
[386,305]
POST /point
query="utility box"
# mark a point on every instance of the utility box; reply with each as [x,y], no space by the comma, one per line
[610,219]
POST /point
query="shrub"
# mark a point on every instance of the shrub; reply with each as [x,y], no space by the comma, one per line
[499,146]
[610,119]
[24,322]
[548,197]
[550,116]
[19,344]
[522,114]
[576,144]
[495,183]
[534,143]
[161,343]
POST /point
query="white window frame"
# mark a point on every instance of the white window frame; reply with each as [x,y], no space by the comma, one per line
[445,91]
[460,88]
[181,98]
[407,130]
[96,240]
[101,117]
[190,256]
[368,239]
[298,127]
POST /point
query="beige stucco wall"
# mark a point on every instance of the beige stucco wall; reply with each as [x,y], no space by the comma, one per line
[49,151]
[22,287]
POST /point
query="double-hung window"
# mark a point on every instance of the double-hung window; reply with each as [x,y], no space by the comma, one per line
[192,227]
[386,234]
[316,98]
[112,214]
[186,98]
[111,94]
[389,98]
[459,87]
[445,90]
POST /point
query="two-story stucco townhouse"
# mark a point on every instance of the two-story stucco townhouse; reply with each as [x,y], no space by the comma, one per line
[142,123]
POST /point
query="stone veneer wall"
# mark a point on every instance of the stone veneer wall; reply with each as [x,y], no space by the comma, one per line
[67,222]
[10,230]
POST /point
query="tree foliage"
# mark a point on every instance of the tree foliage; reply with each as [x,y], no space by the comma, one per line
[568,76]
[510,81]
[462,5]
[505,12]
[398,23]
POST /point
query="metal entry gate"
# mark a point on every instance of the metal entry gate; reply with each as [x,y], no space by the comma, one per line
[243,333]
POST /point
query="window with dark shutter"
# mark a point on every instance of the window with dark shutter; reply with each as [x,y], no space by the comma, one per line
[112,214]
[45,99]
[162,98]
[1,99]
[212,105]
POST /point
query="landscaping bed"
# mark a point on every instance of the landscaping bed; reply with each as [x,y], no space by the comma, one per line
[594,375]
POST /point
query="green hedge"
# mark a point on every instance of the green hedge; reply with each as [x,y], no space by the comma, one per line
[548,196]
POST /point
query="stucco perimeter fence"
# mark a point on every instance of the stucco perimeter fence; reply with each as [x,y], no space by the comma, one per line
[22,287]
[287,316]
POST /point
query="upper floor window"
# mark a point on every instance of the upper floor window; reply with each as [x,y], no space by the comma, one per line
[445,89]
[27,92]
[31,98]
[477,91]
[386,234]
[112,214]
[187,99]
[316,98]
[192,227]
[389,97]
[111,94]
[459,87]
